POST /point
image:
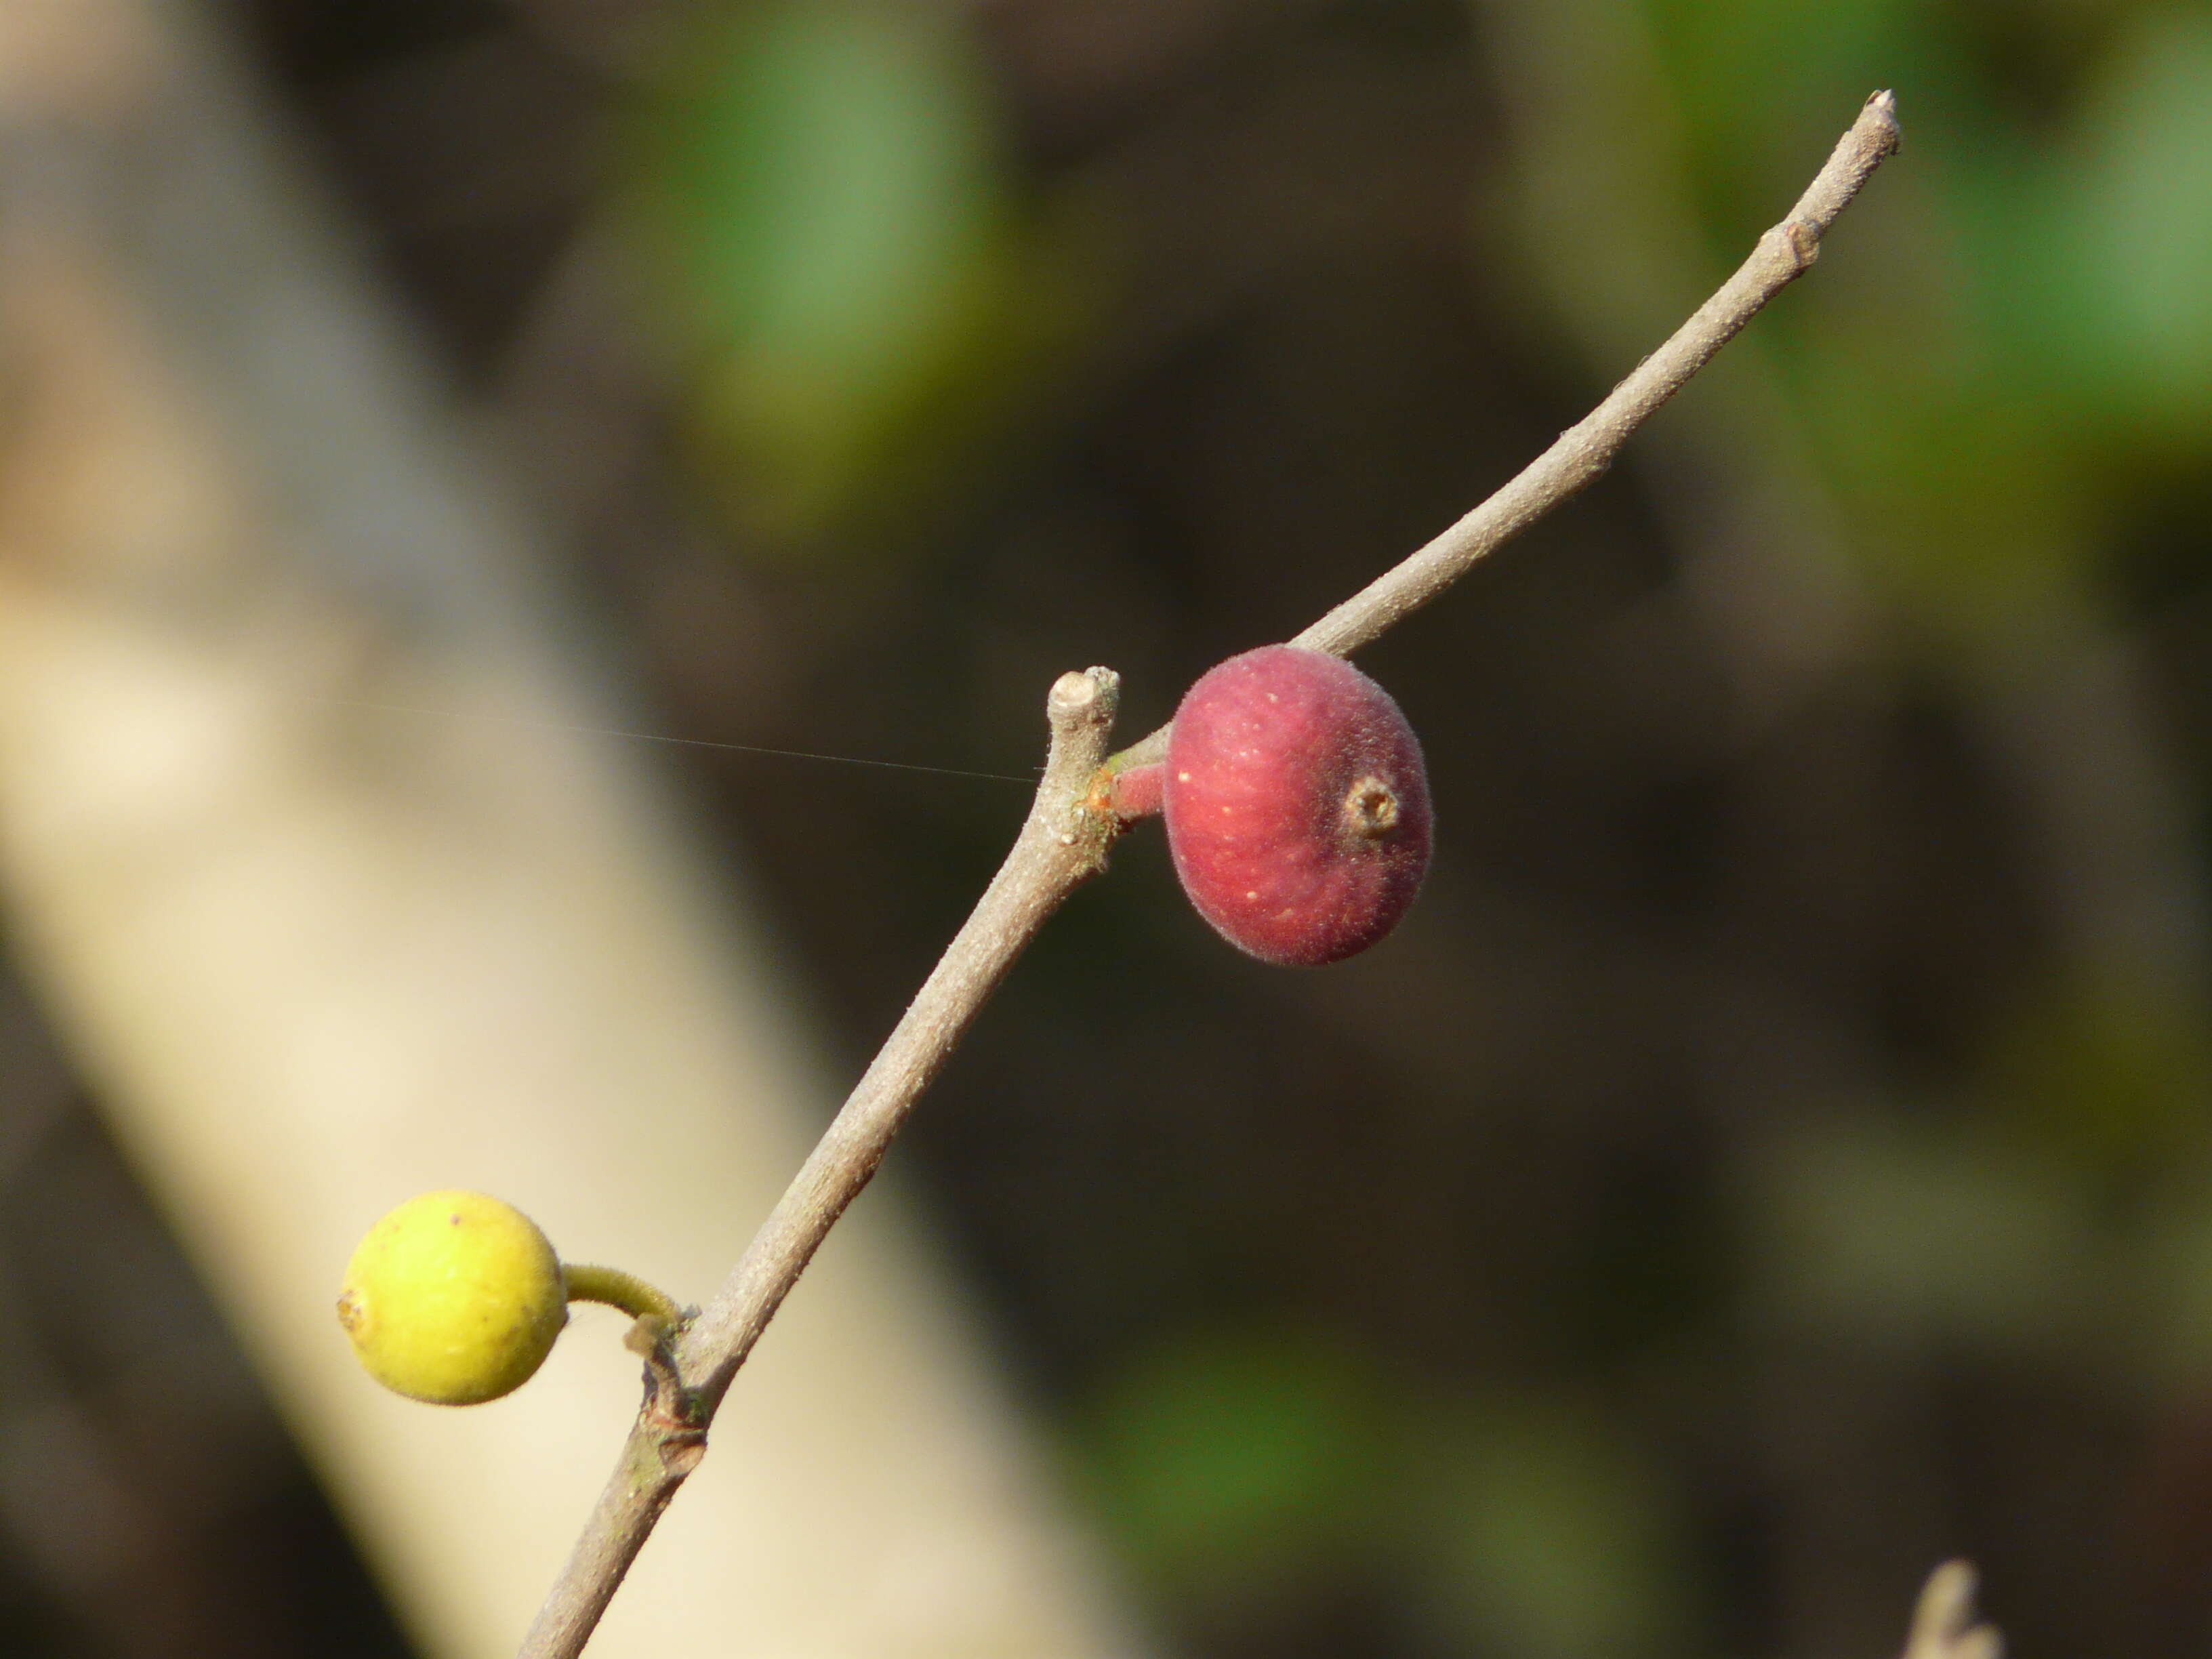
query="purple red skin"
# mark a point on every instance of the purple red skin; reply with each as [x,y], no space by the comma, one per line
[1262,754]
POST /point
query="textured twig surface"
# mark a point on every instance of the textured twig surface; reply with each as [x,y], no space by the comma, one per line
[1061,845]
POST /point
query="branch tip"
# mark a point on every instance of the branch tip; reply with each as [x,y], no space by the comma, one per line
[1087,696]
[1944,1625]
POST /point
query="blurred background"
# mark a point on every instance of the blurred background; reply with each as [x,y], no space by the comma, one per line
[1773,1156]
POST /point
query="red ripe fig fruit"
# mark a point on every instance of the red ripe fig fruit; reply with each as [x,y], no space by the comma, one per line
[1297,805]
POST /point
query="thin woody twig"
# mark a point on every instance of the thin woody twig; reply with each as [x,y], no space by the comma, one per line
[1063,843]
[1584,452]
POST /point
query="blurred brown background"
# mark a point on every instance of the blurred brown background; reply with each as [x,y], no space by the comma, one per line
[1773,1156]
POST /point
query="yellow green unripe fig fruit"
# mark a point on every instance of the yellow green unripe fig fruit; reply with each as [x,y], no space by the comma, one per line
[454,1298]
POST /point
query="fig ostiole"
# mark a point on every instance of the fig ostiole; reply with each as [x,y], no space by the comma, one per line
[1297,805]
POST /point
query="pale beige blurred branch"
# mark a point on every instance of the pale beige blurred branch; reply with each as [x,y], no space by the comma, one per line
[1944,1625]
[1063,843]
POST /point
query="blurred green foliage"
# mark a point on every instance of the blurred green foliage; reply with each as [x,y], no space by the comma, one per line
[1545,1533]
[2057,346]
[2111,1077]
[1867,1232]
[855,295]
[1237,1466]
[2133,236]
[1232,1458]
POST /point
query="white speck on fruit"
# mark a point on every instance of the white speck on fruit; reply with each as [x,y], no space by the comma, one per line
[1251,892]
[1182,777]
